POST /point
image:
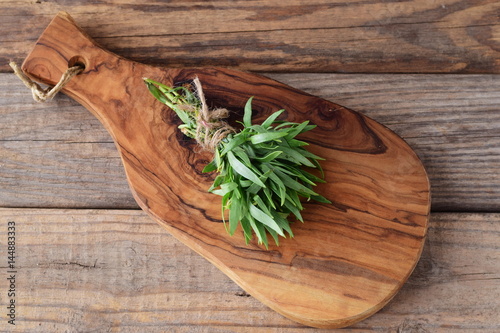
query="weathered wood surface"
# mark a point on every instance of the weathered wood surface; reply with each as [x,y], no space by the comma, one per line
[345,262]
[121,268]
[117,270]
[58,154]
[447,36]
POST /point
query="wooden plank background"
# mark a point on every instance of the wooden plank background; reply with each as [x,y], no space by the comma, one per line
[447,36]
[90,261]
[115,270]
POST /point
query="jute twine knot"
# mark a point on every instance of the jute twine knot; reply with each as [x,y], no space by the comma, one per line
[210,129]
[40,94]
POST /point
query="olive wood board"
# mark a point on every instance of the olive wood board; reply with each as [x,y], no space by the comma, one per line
[348,258]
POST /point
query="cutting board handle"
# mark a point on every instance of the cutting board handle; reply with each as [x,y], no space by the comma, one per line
[63,44]
[103,86]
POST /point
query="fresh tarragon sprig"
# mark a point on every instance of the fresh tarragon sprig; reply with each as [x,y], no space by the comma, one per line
[260,168]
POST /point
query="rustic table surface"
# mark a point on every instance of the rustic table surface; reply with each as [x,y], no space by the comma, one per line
[87,259]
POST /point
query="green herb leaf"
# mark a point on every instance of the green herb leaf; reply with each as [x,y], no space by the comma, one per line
[320,198]
[242,170]
[247,116]
[269,157]
[210,167]
[157,93]
[293,184]
[297,130]
[231,144]
[265,219]
[270,120]
[265,137]
[234,216]
[296,157]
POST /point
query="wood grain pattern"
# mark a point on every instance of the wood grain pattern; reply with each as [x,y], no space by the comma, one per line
[451,121]
[340,267]
[424,36]
[118,271]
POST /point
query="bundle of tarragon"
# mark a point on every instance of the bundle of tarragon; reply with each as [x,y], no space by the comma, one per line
[261,175]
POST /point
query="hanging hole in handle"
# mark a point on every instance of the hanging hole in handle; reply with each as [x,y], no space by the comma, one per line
[77,61]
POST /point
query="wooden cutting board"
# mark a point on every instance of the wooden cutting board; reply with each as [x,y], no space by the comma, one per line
[345,262]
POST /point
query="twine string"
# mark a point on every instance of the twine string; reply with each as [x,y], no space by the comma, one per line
[211,129]
[40,94]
